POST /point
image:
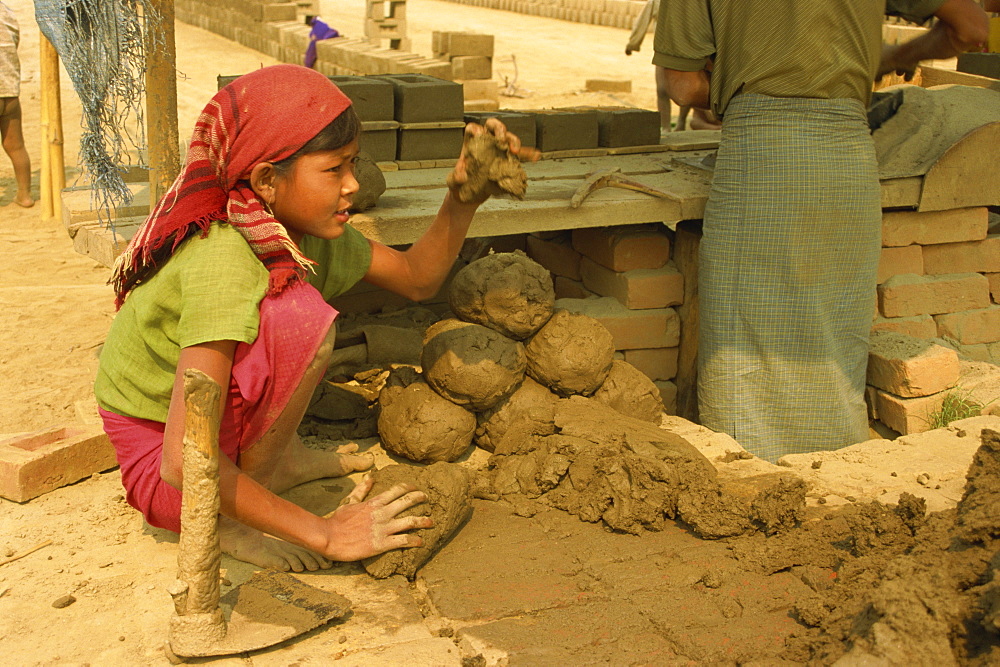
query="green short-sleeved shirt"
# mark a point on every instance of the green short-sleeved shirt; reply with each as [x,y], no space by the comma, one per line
[209,290]
[825,49]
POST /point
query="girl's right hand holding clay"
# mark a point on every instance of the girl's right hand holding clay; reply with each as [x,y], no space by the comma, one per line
[490,164]
[362,528]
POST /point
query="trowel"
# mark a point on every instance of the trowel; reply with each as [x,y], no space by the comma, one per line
[265,610]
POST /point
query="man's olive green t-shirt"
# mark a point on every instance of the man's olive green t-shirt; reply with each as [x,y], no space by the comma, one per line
[825,49]
[209,290]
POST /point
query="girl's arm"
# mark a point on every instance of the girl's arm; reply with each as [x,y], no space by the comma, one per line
[356,530]
[418,272]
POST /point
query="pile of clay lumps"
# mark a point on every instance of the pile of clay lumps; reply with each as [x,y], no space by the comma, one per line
[493,373]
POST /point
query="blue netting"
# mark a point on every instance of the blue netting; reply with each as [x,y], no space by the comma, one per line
[101,44]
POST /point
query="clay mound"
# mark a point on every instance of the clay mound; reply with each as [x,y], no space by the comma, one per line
[418,424]
[629,391]
[507,292]
[491,169]
[571,354]
[527,412]
[470,364]
[448,504]
[371,183]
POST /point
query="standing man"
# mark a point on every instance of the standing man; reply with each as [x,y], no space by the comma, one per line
[792,225]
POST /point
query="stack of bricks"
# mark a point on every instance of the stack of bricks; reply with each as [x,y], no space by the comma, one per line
[386,19]
[908,379]
[623,277]
[940,277]
[612,13]
[277,30]
[471,58]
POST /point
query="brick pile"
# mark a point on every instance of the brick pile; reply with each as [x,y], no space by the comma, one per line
[908,379]
[939,276]
[471,58]
[613,13]
[279,30]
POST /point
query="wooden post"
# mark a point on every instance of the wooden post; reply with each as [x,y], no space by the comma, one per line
[53,175]
[161,100]
[686,244]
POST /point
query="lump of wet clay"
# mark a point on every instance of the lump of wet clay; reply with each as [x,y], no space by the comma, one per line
[448,504]
[629,391]
[418,424]
[470,364]
[571,354]
[371,183]
[508,292]
[491,169]
[508,425]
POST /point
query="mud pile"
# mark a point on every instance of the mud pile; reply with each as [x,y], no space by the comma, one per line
[504,359]
[891,584]
[568,425]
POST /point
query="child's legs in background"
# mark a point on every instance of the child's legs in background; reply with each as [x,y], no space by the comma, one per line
[13,145]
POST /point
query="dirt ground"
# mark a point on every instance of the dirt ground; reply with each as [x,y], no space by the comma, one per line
[542,588]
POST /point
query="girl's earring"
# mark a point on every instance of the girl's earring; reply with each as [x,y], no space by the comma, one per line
[267,207]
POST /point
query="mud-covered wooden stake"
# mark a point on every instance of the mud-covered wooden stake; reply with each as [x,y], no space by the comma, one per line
[199,622]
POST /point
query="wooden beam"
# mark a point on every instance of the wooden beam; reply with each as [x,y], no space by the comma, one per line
[161,99]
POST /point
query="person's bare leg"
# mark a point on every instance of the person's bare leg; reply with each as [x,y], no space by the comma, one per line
[682,117]
[662,99]
[704,119]
[13,145]
[280,461]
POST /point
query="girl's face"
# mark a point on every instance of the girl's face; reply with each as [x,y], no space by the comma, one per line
[313,197]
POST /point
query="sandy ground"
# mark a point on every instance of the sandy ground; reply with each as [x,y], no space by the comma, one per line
[601,598]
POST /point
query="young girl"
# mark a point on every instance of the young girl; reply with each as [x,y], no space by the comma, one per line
[216,279]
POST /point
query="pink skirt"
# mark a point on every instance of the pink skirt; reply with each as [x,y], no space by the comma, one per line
[293,324]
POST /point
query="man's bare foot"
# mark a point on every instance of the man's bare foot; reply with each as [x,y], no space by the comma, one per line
[300,464]
[24,201]
[248,544]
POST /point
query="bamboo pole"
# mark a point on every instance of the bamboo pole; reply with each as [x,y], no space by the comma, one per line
[53,177]
[161,99]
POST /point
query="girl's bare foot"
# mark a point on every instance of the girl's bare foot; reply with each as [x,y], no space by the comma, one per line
[24,200]
[300,464]
[248,544]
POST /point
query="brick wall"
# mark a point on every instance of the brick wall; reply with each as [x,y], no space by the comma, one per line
[939,277]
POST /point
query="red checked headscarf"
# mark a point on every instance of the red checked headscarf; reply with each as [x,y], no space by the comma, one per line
[264,116]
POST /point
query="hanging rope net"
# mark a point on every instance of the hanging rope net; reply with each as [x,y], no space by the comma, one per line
[102,45]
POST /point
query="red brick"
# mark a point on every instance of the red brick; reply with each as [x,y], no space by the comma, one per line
[624,248]
[907,415]
[630,329]
[36,463]
[572,289]
[919,326]
[638,288]
[910,367]
[657,364]
[908,295]
[994,280]
[902,228]
[897,261]
[557,255]
[971,327]
[970,257]
[668,392]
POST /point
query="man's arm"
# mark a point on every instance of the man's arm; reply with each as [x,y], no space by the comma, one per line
[961,26]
